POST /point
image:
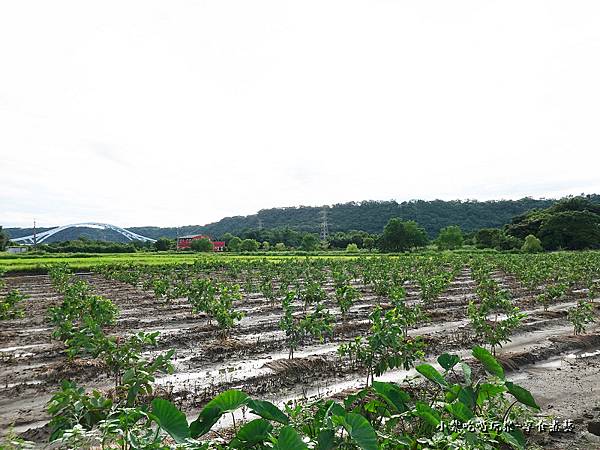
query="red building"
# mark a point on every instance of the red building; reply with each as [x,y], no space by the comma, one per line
[185,242]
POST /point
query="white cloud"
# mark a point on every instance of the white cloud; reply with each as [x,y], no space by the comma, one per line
[154,113]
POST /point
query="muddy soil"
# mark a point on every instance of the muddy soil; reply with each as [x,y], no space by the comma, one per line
[254,358]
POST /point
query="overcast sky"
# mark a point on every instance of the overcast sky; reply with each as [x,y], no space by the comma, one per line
[183,112]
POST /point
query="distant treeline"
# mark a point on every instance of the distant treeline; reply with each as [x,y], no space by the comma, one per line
[368,216]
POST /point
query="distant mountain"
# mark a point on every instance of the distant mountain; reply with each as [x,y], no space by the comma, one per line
[368,216]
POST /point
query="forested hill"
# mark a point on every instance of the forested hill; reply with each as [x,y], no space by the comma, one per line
[370,216]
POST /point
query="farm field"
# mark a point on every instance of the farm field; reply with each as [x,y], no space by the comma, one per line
[295,330]
[40,263]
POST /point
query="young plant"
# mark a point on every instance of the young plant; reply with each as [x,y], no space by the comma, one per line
[8,305]
[580,316]
[301,326]
[345,297]
[554,292]
[494,319]
[387,347]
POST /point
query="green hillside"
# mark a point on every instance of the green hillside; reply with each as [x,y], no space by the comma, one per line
[370,216]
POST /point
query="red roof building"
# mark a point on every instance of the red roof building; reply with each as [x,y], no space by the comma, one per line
[185,242]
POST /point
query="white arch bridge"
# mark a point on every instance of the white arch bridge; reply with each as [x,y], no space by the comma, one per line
[41,237]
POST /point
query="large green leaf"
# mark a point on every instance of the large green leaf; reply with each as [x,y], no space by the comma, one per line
[288,439]
[514,438]
[522,395]
[268,410]
[392,394]
[448,361]
[426,412]
[228,401]
[252,433]
[488,391]
[206,419]
[430,372]
[361,431]
[224,402]
[326,440]
[170,419]
[460,411]
[489,362]
[466,372]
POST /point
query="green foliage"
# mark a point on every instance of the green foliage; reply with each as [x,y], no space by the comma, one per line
[494,318]
[234,244]
[345,296]
[9,305]
[572,223]
[201,245]
[450,238]
[386,347]
[249,245]
[163,244]
[572,230]
[352,248]
[532,244]
[299,326]
[310,242]
[3,239]
[496,238]
[399,236]
[580,316]
[554,292]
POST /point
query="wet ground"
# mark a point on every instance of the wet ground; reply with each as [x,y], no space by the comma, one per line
[562,371]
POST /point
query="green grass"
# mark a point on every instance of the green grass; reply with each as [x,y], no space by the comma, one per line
[85,261]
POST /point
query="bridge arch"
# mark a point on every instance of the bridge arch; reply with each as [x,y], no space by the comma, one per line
[41,237]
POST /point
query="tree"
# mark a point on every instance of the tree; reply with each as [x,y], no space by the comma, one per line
[227,237]
[399,236]
[266,246]
[572,230]
[496,238]
[235,244]
[163,244]
[310,242]
[279,247]
[249,245]
[352,248]
[369,243]
[3,240]
[202,245]
[450,238]
[532,245]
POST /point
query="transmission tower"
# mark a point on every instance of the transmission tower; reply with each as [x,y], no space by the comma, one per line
[260,224]
[324,226]
[34,234]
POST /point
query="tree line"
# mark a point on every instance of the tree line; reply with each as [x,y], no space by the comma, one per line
[572,223]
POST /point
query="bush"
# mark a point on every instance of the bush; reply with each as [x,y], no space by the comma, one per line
[532,245]
[450,238]
[235,244]
[399,236]
[202,245]
[249,245]
[352,248]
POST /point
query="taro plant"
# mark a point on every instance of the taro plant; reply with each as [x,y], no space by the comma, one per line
[494,319]
[553,293]
[9,308]
[581,316]
[300,326]
[386,347]
[345,297]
